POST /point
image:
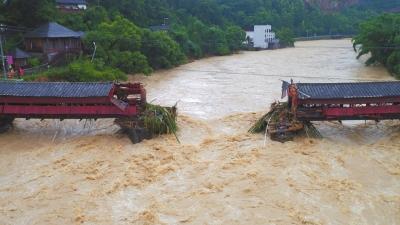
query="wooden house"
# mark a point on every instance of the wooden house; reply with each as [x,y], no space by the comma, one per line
[53,39]
[20,57]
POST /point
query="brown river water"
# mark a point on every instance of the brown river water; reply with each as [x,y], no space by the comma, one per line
[73,172]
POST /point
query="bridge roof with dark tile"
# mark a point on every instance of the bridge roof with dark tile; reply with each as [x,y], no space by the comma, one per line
[55,89]
[349,90]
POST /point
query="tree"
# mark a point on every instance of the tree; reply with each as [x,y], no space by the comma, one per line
[286,37]
[130,62]
[73,21]
[161,50]
[189,48]
[30,13]
[94,16]
[119,43]
[216,42]
[380,37]
[235,37]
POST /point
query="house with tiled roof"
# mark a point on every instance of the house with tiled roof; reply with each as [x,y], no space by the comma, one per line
[71,5]
[20,57]
[52,38]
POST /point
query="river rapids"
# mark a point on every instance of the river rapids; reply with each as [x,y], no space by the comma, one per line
[85,172]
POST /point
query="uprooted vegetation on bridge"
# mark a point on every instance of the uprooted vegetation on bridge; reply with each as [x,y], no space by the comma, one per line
[282,126]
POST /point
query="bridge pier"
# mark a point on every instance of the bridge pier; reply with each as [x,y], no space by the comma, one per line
[5,123]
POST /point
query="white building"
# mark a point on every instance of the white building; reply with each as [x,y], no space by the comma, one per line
[261,37]
[71,5]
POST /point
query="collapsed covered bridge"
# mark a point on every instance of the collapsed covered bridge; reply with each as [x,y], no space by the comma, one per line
[309,102]
[62,100]
[70,100]
[346,101]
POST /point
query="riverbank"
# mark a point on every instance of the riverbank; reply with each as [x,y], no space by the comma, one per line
[323,37]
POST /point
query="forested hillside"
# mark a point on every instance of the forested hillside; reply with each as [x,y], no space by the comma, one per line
[197,27]
[376,5]
[299,15]
[295,14]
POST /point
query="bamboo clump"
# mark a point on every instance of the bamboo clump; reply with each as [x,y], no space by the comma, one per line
[160,120]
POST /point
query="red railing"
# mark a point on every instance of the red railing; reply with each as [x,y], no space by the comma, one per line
[373,111]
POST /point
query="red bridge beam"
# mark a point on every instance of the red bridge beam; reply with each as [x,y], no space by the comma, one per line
[350,100]
[373,111]
[98,111]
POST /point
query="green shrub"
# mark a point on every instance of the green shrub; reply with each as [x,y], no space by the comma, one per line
[33,62]
[81,71]
[161,50]
[130,62]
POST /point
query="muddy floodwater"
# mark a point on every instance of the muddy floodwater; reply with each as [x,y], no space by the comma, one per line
[85,172]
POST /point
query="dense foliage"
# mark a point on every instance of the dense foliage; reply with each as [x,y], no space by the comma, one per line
[118,43]
[27,13]
[197,28]
[380,38]
[285,36]
[296,15]
[81,71]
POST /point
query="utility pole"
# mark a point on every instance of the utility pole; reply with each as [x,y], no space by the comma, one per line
[2,54]
[3,29]
[94,52]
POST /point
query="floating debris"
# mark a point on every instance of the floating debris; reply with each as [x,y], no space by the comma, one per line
[160,120]
[282,126]
[154,120]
